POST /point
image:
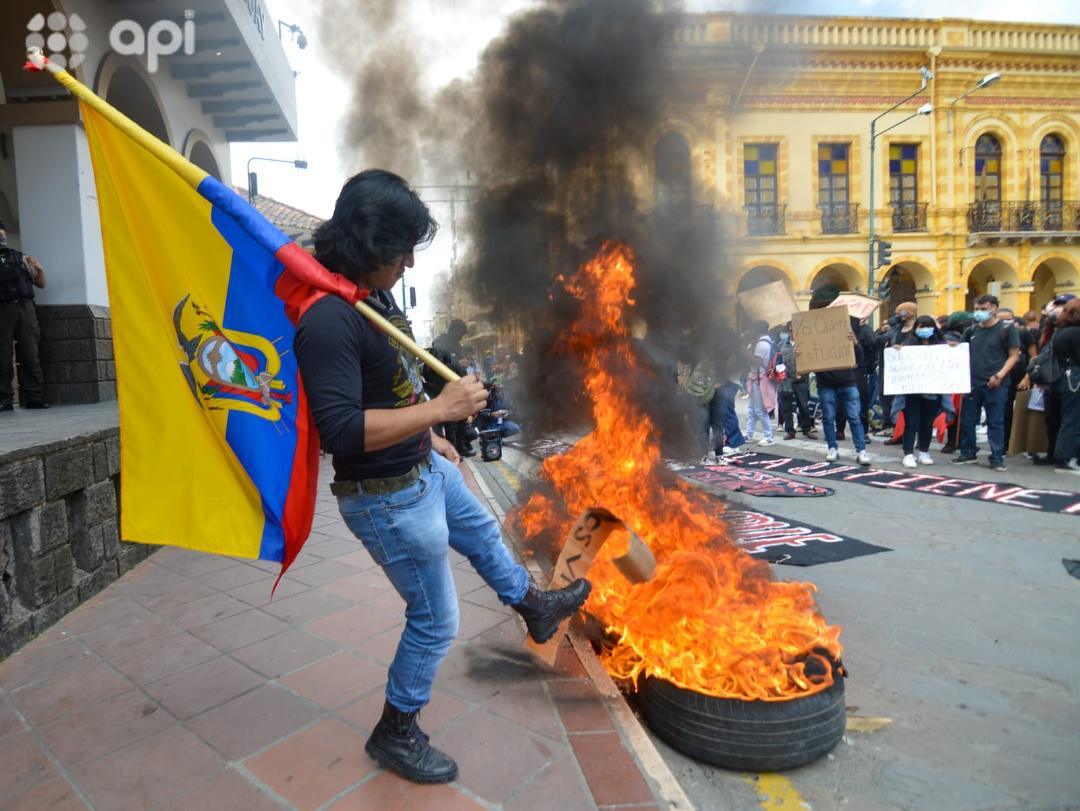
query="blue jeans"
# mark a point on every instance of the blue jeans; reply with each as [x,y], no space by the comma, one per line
[993,401]
[758,413]
[848,397]
[724,420]
[409,534]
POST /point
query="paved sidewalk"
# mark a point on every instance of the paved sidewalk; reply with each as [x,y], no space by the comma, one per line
[182,686]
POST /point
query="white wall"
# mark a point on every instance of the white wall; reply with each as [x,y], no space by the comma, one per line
[58,213]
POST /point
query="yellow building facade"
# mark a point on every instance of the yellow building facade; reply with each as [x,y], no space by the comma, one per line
[769,123]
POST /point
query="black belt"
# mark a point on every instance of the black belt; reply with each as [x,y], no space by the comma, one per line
[385,486]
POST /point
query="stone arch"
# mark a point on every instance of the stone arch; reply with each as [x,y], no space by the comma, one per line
[1006,131]
[914,281]
[844,273]
[198,150]
[126,85]
[781,272]
[757,274]
[1052,273]
[993,273]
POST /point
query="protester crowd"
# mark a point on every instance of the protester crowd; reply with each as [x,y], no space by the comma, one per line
[1024,397]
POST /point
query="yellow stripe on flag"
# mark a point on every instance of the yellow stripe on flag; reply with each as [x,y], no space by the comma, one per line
[181,482]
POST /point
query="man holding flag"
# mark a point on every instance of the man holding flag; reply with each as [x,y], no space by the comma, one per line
[231,340]
[407,504]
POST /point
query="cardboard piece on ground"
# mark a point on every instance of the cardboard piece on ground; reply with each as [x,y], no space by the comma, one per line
[866,723]
[939,369]
[771,303]
[582,544]
[638,564]
[858,305]
[822,340]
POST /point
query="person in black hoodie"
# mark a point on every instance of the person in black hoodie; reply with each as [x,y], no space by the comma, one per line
[838,388]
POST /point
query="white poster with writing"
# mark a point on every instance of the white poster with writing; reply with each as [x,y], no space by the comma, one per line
[939,369]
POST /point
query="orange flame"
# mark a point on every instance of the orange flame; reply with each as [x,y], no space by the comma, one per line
[711,619]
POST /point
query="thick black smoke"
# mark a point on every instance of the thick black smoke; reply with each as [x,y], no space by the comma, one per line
[571,100]
[557,130]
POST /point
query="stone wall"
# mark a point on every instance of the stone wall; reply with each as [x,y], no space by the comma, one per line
[77,353]
[59,531]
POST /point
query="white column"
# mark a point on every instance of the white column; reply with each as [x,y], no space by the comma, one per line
[58,212]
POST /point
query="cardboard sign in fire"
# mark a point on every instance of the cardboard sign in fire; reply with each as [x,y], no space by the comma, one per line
[582,545]
[822,339]
[940,369]
[771,303]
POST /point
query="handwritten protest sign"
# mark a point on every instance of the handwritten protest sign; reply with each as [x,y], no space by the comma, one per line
[859,306]
[940,369]
[771,303]
[822,340]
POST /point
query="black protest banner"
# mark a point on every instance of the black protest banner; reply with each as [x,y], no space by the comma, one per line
[792,543]
[769,537]
[1012,495]
[751,482]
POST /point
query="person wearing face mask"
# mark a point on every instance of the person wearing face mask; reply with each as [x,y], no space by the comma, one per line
[994,351]
[920,410]
[19,331]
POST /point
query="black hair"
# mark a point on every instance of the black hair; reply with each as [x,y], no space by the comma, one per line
[926,321]
[376,218]
[986,298]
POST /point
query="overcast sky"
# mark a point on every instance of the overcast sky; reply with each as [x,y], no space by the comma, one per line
[451,34]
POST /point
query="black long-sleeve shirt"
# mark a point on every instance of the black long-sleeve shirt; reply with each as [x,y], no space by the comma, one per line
[348,365]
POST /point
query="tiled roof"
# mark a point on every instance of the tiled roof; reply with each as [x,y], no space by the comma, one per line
[298,225]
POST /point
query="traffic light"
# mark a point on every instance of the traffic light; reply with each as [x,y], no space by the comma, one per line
[885,285]
[884,253]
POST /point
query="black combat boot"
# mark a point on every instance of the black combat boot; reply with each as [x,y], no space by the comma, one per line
[397,743]
[544,610]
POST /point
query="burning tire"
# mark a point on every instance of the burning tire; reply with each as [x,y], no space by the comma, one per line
[758,736]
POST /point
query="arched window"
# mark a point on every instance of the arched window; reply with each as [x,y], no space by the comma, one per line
[988,170]
[1052,178]
[671,188]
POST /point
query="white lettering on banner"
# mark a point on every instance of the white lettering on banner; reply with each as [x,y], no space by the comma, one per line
[939,369]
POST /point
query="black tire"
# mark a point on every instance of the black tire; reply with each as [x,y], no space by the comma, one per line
[755,736]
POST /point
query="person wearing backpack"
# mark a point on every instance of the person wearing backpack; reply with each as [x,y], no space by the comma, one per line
[1065,347]
[760,387]
[995,347]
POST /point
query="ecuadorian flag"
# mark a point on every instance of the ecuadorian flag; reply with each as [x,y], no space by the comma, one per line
[218,451]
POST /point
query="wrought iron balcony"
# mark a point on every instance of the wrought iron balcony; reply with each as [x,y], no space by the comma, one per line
[765,220]
[1022,217]
[839,218]
[908,217]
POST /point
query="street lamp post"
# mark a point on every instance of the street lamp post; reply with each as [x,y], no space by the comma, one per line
[926,109]
[253,179]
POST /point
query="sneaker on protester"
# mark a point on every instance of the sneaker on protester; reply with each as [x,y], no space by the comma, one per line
[1072,466]
[863,457]
[999,466]
[909,461]
[708,459]
[832,455]
[924,458]
[767,441]
[728,450]
[962,459]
